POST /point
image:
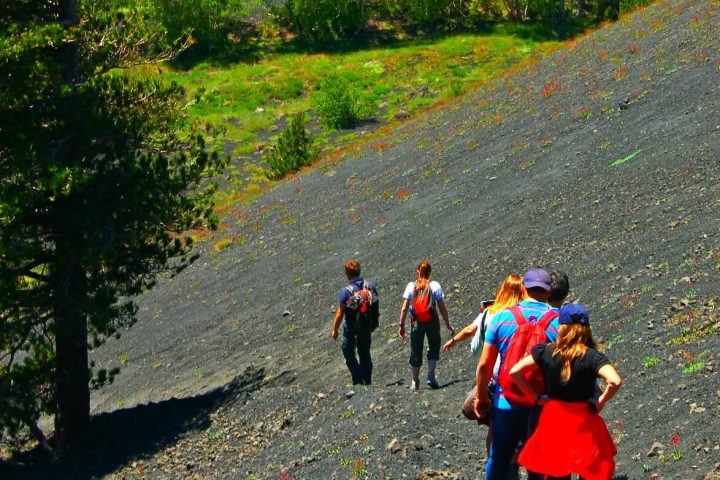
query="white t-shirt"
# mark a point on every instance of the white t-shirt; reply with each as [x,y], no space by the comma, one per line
[435,288]
[477,342]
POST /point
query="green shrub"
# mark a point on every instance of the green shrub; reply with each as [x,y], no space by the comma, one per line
[295,148]
[208,22]
[629,5]
[429,11]
[322,20]
[339,104]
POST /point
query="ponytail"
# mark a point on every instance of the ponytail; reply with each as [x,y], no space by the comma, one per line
[424,270]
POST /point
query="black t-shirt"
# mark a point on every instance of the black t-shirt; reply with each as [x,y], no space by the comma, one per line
[583,372]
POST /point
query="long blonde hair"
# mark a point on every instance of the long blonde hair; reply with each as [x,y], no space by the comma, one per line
[509,293]
[572,342]
[424,270]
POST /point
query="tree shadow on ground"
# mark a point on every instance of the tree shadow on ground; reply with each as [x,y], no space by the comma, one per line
[118,437]
[251,49]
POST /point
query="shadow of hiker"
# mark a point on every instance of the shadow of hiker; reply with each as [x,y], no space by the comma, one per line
[116,438]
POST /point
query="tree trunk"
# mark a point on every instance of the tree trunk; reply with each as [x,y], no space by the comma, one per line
[71,331]
[71,363]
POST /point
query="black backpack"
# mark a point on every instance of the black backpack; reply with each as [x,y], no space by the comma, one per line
[365,304]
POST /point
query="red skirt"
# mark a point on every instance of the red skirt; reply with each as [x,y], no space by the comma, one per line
[570,439]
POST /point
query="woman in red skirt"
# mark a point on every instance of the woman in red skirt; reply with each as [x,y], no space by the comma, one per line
[571,436]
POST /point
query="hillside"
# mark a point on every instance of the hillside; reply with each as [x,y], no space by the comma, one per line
[600,160]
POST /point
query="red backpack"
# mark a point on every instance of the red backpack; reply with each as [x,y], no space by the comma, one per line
[423,306]
[525,338]
[365,305]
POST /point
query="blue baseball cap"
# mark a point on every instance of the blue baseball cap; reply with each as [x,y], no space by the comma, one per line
[537,278]
[573,313]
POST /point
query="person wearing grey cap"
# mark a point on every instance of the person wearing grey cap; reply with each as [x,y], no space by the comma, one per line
[509,424]
[570,367]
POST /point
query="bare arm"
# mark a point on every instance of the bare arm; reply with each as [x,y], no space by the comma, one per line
[527,363]
[336,321]
[483,376]
[444,313]
[465,333]
[613,381]
[403,314]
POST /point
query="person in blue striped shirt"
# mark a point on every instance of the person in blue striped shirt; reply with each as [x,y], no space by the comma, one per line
[509,424]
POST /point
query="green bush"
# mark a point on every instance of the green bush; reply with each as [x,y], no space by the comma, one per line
[426,11]
[295,148]
[322,20]
[208,22]
[629,5]
[339,103]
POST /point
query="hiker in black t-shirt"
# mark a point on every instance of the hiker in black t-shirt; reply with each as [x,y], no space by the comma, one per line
[571,437]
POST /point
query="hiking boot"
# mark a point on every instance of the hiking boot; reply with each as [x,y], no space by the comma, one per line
[432,383]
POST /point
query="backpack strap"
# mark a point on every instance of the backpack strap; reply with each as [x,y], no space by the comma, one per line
[483,325]
[547,318]
[517,313]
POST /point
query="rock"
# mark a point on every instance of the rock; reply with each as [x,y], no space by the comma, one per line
[350,394]
[394,446]
[656,449]
[259,110]
[401,114]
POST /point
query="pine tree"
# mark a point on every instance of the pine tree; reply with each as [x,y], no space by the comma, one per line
[99,178]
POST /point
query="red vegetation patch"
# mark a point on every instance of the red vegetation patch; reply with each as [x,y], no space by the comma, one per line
[675,439]
[404,194]
[621,72]
[550,88]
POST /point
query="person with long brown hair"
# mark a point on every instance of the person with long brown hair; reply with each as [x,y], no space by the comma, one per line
[571,436]
[423,299]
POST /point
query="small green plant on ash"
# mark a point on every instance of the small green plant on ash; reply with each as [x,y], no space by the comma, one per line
[359,468]
[295,149]
[349,413]
[339,103]
[650,362]
[675,455]
[693,367]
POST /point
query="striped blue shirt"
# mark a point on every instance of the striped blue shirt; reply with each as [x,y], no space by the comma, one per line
[501,329]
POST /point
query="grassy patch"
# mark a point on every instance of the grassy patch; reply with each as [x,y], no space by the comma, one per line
[249,96]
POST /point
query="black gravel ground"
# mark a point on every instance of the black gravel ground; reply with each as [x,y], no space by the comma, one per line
[600,160]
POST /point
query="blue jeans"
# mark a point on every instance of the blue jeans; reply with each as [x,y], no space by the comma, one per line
[360,366]
[508,428]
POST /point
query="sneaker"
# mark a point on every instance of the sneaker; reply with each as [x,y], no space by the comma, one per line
[432,383]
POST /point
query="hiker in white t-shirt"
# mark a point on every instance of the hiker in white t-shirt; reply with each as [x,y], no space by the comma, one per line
[423,299]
